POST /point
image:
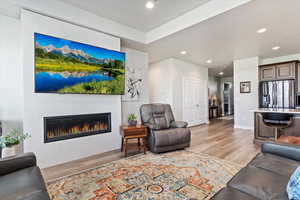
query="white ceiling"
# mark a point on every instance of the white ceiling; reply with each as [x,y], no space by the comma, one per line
[232,35]
[227,70]
[133,12]
[220,37]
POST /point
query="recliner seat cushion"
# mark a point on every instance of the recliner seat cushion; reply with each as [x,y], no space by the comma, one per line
[260,183]
[172,136]
[27,183]
[276,164]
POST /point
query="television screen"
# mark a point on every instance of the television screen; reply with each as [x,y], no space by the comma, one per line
[64,66]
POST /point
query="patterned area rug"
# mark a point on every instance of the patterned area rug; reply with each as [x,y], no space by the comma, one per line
[180,175]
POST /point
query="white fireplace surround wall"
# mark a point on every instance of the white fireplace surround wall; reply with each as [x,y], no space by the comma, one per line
[37,106]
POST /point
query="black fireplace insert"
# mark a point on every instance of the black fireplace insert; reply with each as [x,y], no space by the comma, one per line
[72,126]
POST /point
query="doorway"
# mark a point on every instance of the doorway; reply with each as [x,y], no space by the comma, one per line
[194,104]
[228,103]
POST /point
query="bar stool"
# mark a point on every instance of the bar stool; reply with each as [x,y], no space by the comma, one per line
[277,121]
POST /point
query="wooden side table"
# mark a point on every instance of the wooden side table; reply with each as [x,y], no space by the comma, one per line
[211,111]
[138,132]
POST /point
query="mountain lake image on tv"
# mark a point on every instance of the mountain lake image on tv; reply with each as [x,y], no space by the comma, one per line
[64,66]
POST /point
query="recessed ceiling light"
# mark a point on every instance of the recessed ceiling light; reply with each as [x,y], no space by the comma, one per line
[183,52]
[262,30]
[276,48]
[150,4]
[209,61]
[221,73]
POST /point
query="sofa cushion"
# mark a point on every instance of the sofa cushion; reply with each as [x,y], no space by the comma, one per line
[36,195]
[172,136]
[293,187]
[260,183]
[15,163]
[284,150]
[21,184]
[231,194]
[276,164]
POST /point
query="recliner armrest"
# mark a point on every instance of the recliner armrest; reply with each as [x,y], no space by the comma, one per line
[179,124]
[283,150]
[15,163]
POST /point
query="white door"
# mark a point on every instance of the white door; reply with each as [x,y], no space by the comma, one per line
[194,101]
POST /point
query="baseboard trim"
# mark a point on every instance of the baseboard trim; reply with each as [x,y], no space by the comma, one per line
[244,127]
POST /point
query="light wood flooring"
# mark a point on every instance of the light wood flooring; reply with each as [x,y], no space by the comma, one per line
[218,139]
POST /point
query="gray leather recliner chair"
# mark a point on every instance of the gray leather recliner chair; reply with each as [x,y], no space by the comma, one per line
[165,134]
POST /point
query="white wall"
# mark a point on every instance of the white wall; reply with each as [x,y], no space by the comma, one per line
[160,82]
[139,61]
[11,84]
[213,86]
[166,83]
[181,70]
[38,106]
[280,59]
[244,103]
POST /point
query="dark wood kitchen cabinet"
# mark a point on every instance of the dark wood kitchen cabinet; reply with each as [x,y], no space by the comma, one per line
[267,73]
[286,71]
[262,132]
[278,71]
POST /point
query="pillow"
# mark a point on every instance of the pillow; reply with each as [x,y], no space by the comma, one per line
[293,187]
[160,121]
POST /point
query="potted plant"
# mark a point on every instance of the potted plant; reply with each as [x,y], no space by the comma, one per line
[9,142]
[132,120]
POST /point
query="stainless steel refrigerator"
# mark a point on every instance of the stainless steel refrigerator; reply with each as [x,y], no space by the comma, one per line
[277,94]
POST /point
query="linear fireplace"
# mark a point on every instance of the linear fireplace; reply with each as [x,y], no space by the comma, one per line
[73,126]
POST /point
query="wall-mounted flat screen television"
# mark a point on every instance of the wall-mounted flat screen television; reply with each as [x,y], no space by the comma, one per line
[69,67]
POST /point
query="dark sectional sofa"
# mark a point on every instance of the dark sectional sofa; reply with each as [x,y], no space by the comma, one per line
[265,177]
[21,179]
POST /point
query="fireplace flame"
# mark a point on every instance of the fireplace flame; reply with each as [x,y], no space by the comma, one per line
[77,129]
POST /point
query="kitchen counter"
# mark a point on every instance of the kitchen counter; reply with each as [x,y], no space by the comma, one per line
[274,110]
